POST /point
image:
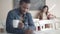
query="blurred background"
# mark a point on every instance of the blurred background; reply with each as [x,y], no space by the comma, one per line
[7,5]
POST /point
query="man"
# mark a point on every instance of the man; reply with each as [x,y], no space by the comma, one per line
[26,17]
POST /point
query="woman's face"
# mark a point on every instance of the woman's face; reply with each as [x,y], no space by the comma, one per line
[45,9]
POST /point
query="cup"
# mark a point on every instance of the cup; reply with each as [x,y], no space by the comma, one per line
[15,23]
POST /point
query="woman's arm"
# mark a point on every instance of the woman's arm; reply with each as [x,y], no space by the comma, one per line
[51,16]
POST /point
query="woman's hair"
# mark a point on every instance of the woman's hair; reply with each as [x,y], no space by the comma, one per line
[42,10]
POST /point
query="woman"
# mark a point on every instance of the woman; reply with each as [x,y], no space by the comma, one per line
[43,14]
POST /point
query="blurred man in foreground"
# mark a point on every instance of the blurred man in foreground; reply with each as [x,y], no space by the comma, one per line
[26,25]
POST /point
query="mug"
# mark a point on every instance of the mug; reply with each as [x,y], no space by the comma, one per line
[15,23]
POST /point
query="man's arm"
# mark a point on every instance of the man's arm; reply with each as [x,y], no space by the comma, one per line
[30,22]
[9,24]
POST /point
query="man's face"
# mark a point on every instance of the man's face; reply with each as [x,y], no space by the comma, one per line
[24,7]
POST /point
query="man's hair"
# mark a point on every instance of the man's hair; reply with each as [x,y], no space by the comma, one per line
[26,1]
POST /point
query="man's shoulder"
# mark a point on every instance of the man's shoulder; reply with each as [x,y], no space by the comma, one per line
[29,14]
[13,10]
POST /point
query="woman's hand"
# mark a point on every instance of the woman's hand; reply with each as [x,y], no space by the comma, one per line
[50,16]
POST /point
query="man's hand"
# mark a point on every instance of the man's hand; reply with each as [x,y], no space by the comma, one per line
[21,25]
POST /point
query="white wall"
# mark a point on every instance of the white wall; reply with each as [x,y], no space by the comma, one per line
[5,6]
[56,6]
[55,9]
[33,13]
